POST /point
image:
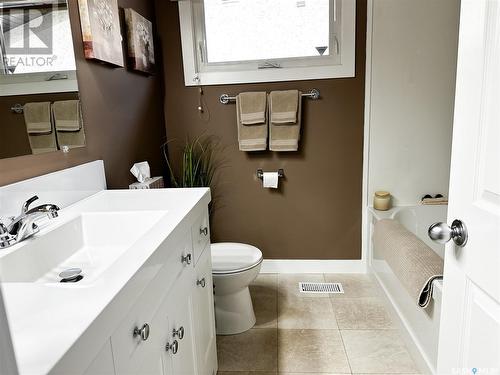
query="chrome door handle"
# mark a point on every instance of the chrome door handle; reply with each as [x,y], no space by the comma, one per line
[143,332]
[173,347]
[442,233]
[204,231]
[186,259]
[201,282]
[178,332]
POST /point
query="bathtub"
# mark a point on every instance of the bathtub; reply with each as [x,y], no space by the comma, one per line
[421,326]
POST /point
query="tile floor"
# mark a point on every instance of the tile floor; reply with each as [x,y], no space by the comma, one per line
[304,333]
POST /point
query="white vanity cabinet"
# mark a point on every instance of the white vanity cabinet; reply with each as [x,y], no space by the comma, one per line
[140,334]
[170,329]
[146,271]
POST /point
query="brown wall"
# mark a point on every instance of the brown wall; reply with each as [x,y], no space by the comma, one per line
[316,214]
[13,126]
[123,116]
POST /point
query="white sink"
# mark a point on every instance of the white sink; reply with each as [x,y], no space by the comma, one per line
[91,241]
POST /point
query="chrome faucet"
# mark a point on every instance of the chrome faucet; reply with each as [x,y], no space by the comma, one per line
[24,225]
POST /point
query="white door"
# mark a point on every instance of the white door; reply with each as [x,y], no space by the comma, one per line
[469,341]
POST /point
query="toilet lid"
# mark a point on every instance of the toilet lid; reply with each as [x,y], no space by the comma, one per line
[228,257]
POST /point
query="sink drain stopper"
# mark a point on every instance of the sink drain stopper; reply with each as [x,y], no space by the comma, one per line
[71,275]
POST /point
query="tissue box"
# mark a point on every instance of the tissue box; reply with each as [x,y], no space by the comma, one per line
[149,183]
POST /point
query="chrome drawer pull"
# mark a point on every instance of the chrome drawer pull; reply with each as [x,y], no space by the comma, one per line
[204,231]
[186,259]
[174,347]
[142,332]
[201,283]
[178,332]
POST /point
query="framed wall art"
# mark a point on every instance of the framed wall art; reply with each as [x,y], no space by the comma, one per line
[102,39]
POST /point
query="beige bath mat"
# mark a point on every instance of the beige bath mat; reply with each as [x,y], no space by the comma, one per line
[414,263]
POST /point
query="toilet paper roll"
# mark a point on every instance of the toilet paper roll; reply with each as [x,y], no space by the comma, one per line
[270,180]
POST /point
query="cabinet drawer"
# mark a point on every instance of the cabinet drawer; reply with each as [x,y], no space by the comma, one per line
[132,352]
[201,234]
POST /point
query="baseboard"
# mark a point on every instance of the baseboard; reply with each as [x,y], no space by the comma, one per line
[312,266]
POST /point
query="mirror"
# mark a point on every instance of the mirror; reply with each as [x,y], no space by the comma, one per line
[40,108]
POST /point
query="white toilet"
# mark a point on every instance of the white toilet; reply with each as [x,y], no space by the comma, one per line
[234,267]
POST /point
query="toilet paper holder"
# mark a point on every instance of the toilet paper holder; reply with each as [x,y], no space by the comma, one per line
[260,173]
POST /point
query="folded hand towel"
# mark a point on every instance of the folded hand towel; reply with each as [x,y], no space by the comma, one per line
[71,139]
[37,118]
[284,136]
[69,123]
[252,107]
[284,106]
[41,143]
[251,137]
[435,201]
[67,116]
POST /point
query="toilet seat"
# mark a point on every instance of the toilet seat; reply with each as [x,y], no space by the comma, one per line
[233,257]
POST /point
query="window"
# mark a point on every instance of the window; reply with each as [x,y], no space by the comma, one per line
[239,41]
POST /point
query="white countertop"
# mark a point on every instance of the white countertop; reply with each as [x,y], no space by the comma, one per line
[46,320]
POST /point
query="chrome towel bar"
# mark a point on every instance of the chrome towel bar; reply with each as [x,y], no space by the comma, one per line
[17,108]
[313,94]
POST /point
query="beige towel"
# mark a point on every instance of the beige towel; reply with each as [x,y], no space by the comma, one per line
[435,201]
[42,143]
[414,263]
[251,137]
[68,123]
[41,135]
[284,106]
[37,118]
[252,107]
[67,115]
[284,136]
[71,139]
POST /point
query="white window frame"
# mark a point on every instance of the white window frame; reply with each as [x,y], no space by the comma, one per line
[248,73]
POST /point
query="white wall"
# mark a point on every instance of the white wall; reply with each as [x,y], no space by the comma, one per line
[413,64]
